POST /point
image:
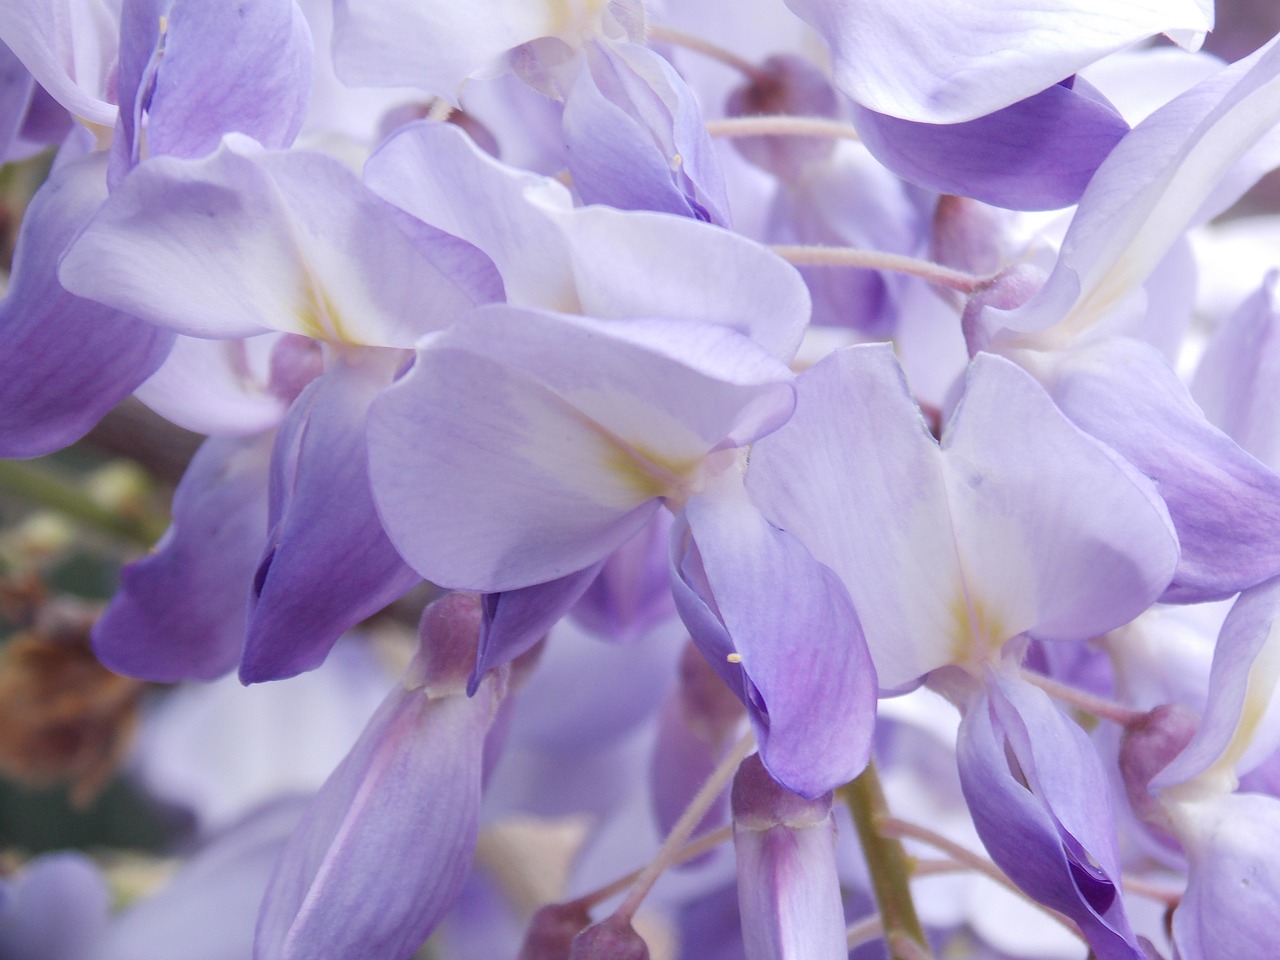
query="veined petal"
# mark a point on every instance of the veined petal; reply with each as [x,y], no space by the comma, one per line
[216,386]
[1036,154]
[515,620]
[1237,382]
[635,137]
[1037,793]
[541,443]
[974,59]
[384,848]
[64,361]
[780,629]
[200,90]
[247,240]
[436,173]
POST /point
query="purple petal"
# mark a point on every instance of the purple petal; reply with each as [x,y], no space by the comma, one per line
[1054,530]
[216,68]
[179,613]
[1224,504]
[382,852]
[936,62]
[1038,796]
[749,590]
[515,620]
[1036,154]
[327,563]
[16,85]
[591,260]
[627,116]
[64,361]
[55,909]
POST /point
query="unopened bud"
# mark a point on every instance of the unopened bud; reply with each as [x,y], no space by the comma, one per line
[551,931]
[1149,745]
[449,637]
[610,939]
[788,86]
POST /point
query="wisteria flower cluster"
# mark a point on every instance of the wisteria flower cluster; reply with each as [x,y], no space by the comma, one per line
[839,438]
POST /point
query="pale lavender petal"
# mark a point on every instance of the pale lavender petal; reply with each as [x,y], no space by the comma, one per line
[64,361]
[1239,727]
[636,140]
[327,563]
[1233,892]
[1036,154]
[217,387]
[592,260]
[1048,828]
[222,749]
[431,44]
[788,889]
[1224,503]
[1160,180]
[541,443]
[1056,533]
[853,461]
[247,240]
[54,909]
[207,909]
[71,51]
[751,591]
[223,68]
[1238,377]
[436,173]
[180,612]
[975,59]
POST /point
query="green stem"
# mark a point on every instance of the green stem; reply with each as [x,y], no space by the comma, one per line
[888,865]
[38,485]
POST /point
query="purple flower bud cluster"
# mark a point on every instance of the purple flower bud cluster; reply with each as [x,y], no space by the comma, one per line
[839,439]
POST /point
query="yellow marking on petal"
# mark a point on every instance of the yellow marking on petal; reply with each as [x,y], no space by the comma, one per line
[975,630]
[646,472]
[318,317]
[164,24]
[734,658]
